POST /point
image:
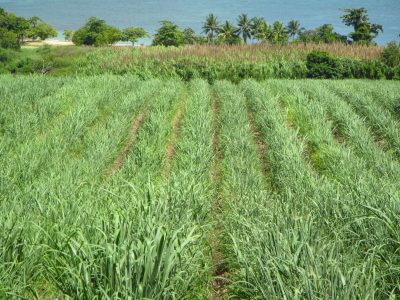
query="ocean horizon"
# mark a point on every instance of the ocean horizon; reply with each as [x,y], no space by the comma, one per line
[71,14]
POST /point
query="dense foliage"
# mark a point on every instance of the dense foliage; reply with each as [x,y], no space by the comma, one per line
[212,63]
[13,29]
[322,34]
[168,34]
[170,63]
[364,31]
[132,34]
[391,54]
[259,30]
[96,32]
[321,64]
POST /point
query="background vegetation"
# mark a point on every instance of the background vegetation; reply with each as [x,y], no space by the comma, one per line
[221,53]
[14,30]
[210,62]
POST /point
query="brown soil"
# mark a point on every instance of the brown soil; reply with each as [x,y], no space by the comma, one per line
[120,159]
[216,141]
[338,137]
[383,145]
[220,281]
[261,145]
[170,150]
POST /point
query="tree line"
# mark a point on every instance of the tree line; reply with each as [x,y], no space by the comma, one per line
[96,32]
[14,30]
[257,29]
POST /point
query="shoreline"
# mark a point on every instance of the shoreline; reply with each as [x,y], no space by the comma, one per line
[58,42]
[55,42]
[51,42]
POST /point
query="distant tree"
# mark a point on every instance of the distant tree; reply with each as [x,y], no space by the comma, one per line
[211,27]
[87,34]
[20,27]
[190,36]
[355,17]
[260,30]
[168,34]
[322,34]
[38,29]
[293,28]
[132,34]
[308,36]
[364,31]
[391,54]
[10,22]
[96,33]
[8,39]
[228,34]
[278,35]
[68,33]
[13,29]
[108,36]
[325,34]
[244,27]
[201,40]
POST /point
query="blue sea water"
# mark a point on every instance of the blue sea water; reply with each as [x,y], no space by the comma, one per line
[71,14]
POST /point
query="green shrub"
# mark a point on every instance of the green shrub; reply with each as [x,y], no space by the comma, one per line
[22,66]
[391,54]
[321,64]
[11,63]
[96,32]
[370,69]
[395,73]
[8,39]
[5,55]
[168,34]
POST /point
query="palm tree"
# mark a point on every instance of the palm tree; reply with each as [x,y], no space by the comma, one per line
[278,33]
[228,34]
[210,27]
[244,25]
[260,29]
[293,28]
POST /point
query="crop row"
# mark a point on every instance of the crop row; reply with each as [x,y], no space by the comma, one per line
[116,188]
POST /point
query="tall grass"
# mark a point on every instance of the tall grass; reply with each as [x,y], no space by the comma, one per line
[288,249]
[233,63]
[323,235]
[250,52]
[384,122]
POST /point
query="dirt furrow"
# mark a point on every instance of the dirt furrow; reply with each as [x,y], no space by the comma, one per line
[221,272]
[176,125]
[261,145]
[121,157]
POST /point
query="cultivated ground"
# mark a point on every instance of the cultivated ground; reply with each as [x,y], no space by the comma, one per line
[112,187]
